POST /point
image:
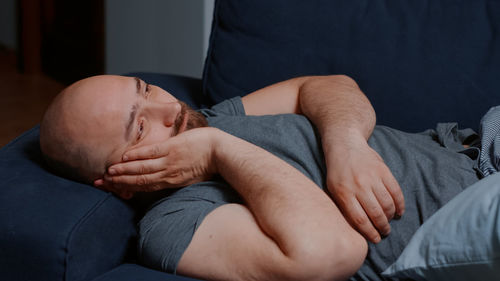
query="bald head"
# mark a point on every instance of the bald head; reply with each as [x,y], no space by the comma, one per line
[75,124]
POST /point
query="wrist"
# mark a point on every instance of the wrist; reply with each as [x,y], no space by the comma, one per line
[342,138]
[219,146]
[338,146]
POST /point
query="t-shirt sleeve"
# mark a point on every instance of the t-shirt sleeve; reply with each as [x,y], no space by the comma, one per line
[230,107]
[168,227]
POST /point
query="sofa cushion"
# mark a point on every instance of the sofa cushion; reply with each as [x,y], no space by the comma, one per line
[52,228]
[419,61]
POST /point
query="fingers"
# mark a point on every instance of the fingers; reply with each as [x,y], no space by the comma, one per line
[396,193]
[375,212]
[137,167]
[358,218]
[368,207]
[123,193]
[385,201]
[146,152]
[137,183]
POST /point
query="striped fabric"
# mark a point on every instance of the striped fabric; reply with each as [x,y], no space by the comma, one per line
[489,130]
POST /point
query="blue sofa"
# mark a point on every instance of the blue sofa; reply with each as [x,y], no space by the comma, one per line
[419,62]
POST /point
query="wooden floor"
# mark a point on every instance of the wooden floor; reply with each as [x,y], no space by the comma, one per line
[23,97]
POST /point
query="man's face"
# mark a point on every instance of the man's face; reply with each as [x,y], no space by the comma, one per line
[116,113]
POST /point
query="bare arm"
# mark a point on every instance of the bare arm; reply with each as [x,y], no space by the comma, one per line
[289,229]
[359,181]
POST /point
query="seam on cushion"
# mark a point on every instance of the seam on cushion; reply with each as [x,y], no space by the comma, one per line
[213,34]
[89,213]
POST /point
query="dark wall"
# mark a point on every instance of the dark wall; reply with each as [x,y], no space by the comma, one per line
[63,39]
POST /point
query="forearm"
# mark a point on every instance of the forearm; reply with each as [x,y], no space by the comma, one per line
[288,206]
[357,178]
[337,107]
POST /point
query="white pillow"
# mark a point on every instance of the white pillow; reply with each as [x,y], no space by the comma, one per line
[459,242]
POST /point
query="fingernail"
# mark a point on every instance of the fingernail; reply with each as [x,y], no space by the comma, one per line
[112,171]
[376,239]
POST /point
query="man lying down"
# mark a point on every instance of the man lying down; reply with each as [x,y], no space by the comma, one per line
[291,182]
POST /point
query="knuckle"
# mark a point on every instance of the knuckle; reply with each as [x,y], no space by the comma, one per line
[155,151]
[142,169]
[360,220]
[362,181]
[373,210]
[342,190]
[141,180]
[388,207]
[378,217]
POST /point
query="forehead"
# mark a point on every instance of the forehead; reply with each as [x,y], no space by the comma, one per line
[109,102]
[111,99]
[126,95]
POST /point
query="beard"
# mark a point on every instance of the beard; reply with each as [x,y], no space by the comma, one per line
[194,118]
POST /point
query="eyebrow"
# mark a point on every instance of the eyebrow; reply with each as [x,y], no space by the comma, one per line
[133,111]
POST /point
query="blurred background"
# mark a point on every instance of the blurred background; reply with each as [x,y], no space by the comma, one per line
[46,45]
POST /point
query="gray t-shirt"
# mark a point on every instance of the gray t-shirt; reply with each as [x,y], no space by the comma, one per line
[428,166]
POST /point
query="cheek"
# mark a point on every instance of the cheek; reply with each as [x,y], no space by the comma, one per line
[157,134]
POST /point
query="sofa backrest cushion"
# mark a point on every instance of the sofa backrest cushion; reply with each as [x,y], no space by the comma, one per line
[419,61]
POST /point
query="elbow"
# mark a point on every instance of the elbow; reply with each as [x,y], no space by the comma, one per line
[344,80]
[338,259]
[348,258]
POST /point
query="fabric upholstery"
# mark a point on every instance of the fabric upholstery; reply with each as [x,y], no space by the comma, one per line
[52,228]
[419,61]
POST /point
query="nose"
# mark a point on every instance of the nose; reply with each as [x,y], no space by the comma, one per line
[167,112]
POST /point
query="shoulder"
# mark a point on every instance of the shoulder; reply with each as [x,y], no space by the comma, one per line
[230,107]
